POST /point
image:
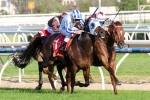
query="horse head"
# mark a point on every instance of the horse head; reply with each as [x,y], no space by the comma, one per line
[115,29]
[95,29]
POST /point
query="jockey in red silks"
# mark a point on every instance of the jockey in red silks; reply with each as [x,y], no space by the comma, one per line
[67,26]
[102,18]
[53,26]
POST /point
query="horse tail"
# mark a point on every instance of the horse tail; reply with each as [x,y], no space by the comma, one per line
[22,58]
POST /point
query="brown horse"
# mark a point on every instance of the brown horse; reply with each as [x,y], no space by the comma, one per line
[22,58]
[79,56]
[104,52]
[80,52]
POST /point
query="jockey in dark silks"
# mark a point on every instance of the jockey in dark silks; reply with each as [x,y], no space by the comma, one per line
[53,25]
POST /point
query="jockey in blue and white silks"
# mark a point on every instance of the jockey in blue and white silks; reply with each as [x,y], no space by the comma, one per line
[67,26]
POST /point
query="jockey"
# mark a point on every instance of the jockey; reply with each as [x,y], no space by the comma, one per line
[67,26]
[53,24]
[102,18]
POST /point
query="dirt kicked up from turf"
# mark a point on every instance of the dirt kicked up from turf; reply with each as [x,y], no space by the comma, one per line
[92,86]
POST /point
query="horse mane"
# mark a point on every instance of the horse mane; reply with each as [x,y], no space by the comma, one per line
[118,23]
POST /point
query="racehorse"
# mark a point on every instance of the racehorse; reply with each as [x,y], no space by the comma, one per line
[83,62]
[79,56]
[22,58]
[104,52]
[106,57]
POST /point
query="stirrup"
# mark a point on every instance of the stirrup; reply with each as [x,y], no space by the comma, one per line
[63,49]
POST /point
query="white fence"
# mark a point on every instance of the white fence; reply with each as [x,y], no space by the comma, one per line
[8,52]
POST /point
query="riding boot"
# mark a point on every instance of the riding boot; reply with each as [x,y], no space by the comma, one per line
[63,46]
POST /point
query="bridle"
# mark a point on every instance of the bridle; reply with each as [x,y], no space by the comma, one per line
[113,33]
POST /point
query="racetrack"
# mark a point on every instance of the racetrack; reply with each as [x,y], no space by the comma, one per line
[93,86]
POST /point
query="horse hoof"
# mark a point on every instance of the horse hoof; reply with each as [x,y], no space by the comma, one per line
[77,83]
[118,83]
[55,78]
[38,88]
[54,90]
[62,89]
[92,81]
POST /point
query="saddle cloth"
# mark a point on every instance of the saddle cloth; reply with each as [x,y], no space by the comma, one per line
[57,44]
[44,32]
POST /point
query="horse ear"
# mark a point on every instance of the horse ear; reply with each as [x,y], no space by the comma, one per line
[113,23]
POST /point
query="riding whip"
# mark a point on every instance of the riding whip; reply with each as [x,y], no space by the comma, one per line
[117,13]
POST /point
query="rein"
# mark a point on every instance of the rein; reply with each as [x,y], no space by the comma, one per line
[104,44]
[111,35]
[113,32]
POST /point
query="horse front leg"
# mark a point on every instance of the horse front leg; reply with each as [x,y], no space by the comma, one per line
[40,77]
[60,67]
[86,73]
[51,77]
[113,67]
[91,79]
[73,74]
[114,79]
[68,81]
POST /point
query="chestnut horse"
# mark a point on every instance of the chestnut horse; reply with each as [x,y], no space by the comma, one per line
[104,52]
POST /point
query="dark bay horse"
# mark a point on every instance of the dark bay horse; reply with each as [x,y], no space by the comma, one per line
[104,52]
[22,58]
[78,56]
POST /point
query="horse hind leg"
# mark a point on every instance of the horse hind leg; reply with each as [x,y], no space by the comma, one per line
[50,74]
[40,77]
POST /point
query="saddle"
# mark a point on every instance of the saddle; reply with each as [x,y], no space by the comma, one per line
[57,44]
